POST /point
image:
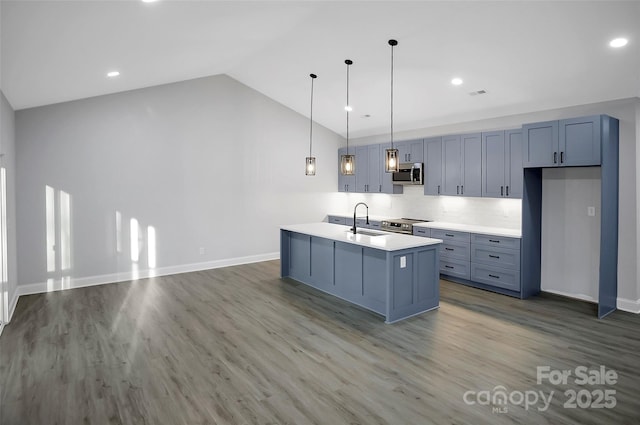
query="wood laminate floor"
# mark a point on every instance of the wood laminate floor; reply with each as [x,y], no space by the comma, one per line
[238,345]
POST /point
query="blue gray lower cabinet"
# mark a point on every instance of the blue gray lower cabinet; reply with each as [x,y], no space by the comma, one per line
[378,280]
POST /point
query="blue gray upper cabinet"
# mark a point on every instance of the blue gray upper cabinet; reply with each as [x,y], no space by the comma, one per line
[462,165]
[502,164]
[346,183]
[472,165]
[580,141]
[564,143]
[451,165]
[432,165]
[410,150]
[367,173]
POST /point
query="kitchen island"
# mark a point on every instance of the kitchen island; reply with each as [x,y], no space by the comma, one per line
[391,274]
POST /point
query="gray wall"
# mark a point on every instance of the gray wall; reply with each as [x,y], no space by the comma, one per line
[7,149]
[569,277]
[209,163]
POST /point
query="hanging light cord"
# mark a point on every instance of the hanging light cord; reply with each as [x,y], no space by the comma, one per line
[348,62]
[392,43]
[313,77]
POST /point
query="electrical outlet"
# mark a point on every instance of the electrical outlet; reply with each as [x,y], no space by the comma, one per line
[201,251]
[591,211]
[403,262]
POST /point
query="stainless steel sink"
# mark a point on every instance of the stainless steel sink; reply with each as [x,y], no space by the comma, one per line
[366,232]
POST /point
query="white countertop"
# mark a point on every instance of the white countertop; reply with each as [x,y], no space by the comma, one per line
[472,228]
[383,240]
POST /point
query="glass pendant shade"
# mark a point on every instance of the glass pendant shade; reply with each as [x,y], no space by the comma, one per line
[310,169]
[347,164]
[391,161]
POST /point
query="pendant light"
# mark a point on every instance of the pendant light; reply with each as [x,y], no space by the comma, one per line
[348,162]
[391,155]
[310,169]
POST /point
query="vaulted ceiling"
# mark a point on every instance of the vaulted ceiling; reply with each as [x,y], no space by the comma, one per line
[526,55]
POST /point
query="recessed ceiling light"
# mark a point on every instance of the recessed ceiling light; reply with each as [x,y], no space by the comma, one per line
[149,1]
[113,74]
[456,81]
[348,108]
[618,42]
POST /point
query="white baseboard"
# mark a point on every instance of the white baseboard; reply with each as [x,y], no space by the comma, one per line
[632,306]
[582,297]
[81,282]
[624,304]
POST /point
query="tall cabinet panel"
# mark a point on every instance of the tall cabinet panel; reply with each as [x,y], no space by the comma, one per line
[451,165]
[432,166]
[362,169]
[513,169]
[375,169]
[493,164]
[471,184]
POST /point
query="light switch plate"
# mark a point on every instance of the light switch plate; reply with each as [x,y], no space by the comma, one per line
[591,211]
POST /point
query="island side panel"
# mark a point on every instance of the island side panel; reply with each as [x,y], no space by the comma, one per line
[348,271]
[414,288]
[285,237]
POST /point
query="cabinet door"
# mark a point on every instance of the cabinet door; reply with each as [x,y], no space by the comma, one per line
[514,173]
[580,141]
[432,166]
[493,164]
[345,183]
[451,165]
[375,169]
[416,151]
[362,169]
[471,184]
[410,150]
[540,145]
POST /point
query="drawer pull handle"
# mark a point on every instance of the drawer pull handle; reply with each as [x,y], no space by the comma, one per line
[494,276]
[449,235]
[449,249]
[494,241]
[494,256]
[449,267]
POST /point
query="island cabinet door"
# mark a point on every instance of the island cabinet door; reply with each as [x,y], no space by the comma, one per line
[299,258]
[374,279]
[321,268]
[348,271]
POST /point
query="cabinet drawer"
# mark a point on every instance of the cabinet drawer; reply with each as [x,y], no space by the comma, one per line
[499,241]
[453,267]
[450,235]
[335,219]
[501,257]
[425,232]
[456,250]
[496,276]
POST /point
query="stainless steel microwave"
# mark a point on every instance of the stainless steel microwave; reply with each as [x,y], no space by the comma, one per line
[408,173]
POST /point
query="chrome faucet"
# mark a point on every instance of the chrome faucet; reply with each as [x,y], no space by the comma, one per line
[354,215]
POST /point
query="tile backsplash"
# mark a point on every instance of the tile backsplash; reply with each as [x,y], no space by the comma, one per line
[413,203]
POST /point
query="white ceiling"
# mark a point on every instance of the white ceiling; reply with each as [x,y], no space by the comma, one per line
[528,56]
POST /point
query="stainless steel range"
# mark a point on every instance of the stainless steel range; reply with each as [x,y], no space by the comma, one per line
[400,225]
